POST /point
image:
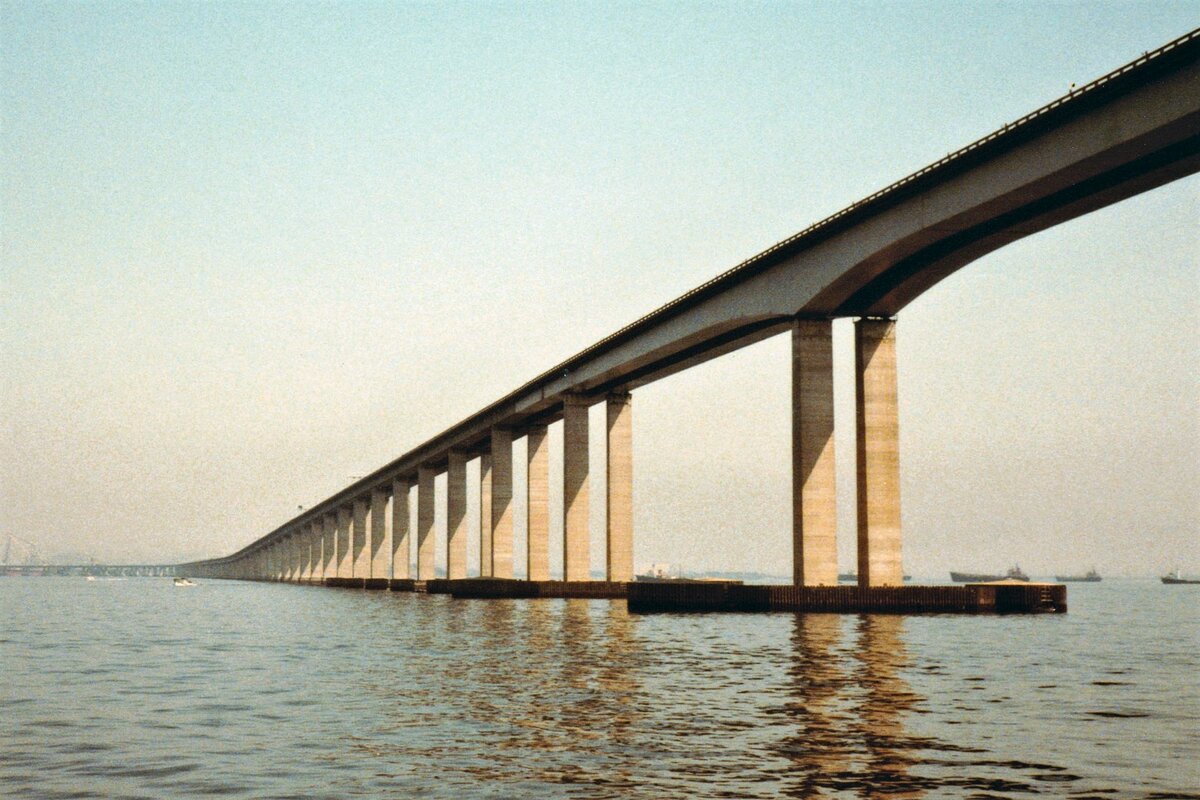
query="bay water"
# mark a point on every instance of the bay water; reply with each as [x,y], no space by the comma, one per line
[138,689]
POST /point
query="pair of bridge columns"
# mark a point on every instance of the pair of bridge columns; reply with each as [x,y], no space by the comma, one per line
[814,484]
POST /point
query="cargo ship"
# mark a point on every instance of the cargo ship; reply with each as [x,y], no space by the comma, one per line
[1091,576]
[1013,574]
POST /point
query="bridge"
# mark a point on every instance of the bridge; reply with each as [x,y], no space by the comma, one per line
[1125,133]
[90,570]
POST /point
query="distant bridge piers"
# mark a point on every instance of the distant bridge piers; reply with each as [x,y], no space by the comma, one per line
[365,539]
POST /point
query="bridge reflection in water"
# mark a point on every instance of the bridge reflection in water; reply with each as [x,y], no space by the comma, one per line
[849,705]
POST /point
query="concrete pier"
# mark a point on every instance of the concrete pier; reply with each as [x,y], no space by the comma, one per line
[537,563]
[329,546]
[425,522]
[400,540]
[316,568]
[878,421]
[360,559]
[345,530]
[576,519]
[380,558]
[485,516]
[295,556]
[814,479]
[619,495]
[456,515]
[502,503]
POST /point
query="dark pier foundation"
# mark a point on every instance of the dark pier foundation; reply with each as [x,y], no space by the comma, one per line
[345,583]
[496,588]
[699,596]
[982,598]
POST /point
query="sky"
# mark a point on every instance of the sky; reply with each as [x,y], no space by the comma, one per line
[251,251]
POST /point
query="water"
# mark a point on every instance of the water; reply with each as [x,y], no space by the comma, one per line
[124,689]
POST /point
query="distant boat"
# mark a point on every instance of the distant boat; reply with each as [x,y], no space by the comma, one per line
[1175,577]
[1090,577]
[1014,574]
[183,582]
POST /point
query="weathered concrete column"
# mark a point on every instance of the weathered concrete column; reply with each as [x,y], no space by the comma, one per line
[360,564]
[456,515]
[329,546]
[619,463]
[576,528]
[293,557]
[814,473]
[879,562]
[425,520]
[380,557]
[316,562]
[345,531]
[302,543]
[296,556]
[485,515]
[502,504]
[537,558]
[400,540]
[279,560]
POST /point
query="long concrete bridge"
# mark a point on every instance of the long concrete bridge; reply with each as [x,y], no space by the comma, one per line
[1126,133]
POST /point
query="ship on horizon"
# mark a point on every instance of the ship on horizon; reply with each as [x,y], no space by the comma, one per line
[1175,576]
[1091,576]
[1014,574]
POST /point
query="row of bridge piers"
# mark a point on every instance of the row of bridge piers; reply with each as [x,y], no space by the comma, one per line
[367,537]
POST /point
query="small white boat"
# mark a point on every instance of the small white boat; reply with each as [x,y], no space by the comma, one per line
[183,582]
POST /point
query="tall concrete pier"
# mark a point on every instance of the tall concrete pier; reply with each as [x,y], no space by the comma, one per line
[501,516]
[814,480]
[619,499]
[878,436]
[537,563]
[1123,134]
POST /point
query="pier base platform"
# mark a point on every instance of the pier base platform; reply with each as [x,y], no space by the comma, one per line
[497,588]
[983,598]
[345,583]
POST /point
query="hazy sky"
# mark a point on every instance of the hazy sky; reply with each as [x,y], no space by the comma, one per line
[252,250]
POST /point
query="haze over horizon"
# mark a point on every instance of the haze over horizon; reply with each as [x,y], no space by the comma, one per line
[250,254]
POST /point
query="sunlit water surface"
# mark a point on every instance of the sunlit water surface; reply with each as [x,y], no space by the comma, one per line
[135,688]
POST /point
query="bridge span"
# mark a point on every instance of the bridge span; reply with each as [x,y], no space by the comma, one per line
[1128,132]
